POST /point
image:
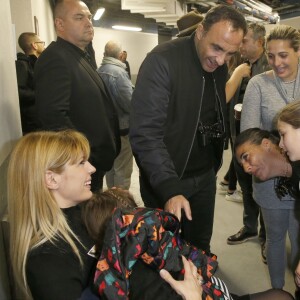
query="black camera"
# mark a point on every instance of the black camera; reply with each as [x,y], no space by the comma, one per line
[209,132]
[213,131]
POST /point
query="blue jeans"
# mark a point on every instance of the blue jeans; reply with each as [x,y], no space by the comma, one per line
[278,223]
[120,174]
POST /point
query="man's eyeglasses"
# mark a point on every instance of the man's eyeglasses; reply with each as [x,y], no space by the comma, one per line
[40,42]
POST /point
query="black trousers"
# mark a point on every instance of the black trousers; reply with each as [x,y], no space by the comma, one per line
[230,176]
[251,208]
[200,192]
[97,177]
[97,180]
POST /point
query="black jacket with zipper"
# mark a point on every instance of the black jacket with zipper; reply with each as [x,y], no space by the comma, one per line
[165,113]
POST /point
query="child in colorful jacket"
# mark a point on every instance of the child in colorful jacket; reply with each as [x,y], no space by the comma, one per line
[125,234]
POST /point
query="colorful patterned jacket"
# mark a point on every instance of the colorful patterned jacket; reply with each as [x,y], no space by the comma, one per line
[151,235]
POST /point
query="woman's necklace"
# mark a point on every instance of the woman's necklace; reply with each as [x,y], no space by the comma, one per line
[282,184]
[287,88]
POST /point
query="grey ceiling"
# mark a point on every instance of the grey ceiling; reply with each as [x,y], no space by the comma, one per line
[138,12]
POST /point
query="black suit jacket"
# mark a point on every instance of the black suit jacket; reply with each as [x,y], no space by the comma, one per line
[71,94]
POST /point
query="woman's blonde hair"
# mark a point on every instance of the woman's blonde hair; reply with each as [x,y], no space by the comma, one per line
[34,215]
[287,33]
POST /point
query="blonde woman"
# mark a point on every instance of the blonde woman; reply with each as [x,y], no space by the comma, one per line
[48,176]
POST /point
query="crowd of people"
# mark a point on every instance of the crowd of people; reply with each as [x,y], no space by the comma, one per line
[71,240]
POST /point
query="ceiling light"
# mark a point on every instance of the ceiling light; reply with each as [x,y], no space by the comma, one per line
[128,28]
[99,13]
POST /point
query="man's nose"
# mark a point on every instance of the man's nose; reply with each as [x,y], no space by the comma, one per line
[247,168]
[221,59]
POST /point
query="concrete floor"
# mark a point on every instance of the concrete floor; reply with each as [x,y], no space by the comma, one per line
[240,266]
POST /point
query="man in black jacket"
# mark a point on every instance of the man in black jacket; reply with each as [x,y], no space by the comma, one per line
[70,92]
[177,121]
[32,46]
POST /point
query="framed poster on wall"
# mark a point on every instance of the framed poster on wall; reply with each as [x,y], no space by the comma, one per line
[36,25]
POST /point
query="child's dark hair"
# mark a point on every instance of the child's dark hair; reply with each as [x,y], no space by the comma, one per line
[97,211]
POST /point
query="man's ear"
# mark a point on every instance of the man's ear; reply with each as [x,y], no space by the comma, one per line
[199,31]
[51,180]
[266,143]
[261,42]
[34,46]
[59,24]
[120,56]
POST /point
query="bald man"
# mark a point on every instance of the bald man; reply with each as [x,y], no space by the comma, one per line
[113,72]
[69,91]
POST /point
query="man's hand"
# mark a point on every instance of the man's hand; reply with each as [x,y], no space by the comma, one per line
[176,203]
[243,70]
[189,288]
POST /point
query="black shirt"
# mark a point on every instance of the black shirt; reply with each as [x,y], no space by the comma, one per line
[200,159]
[54,272]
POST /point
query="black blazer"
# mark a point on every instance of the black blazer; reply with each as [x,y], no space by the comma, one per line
[71,94]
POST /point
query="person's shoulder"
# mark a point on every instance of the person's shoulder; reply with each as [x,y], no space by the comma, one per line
[50,51]
[173,45]
[263,58]
[56,55]
[22,57]
[261,79]
[171,52]
[261,65]
[111,69]
[57,248]
[58,48]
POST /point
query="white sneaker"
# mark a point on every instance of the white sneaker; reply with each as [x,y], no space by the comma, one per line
[234,197]
[222,187]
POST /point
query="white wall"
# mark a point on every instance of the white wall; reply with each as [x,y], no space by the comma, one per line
[294,22]
[9,102]
[42,10]
[23,12]
[16,16]
[21,15]
[9,114]
[137,45]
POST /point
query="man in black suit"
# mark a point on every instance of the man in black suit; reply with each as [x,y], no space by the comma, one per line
[69,91]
